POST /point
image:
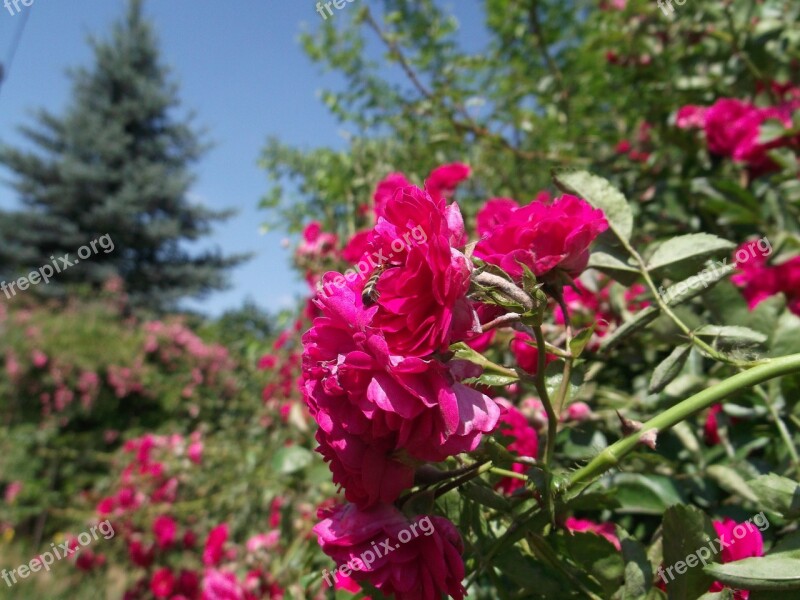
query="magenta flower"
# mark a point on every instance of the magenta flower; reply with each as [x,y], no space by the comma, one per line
[544,237]
[523,346]
[759,281]
[365,397]
[743,541]
[525,442]
[493,214]
[165,528]
[422,303]
[162,583]
[407,559]
[605,530]
[213,551]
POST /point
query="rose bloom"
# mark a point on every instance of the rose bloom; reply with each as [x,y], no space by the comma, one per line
[603,529]
[379,413]
[733,128]
[422,302]
[524,349]
[212,553]
[440,184]
[525,443]
[750,545]
[420,567]
[164,529]
[162,583]
[222,585]
[759,281]
[543,237]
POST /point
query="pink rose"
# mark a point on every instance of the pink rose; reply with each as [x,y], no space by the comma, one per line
[424,562]
[544,238]
[711,426]
[526,353]
[188,584]
[691,117]
[727,122]
[213,551]
[165,528]
[221,585]
[442,181]
[263,540]
[356,248]
[440,184]
[162,583]
[494,213]
[386,190]
[525,442]
[759,281]
[365,397]
[603,529]
[743,541]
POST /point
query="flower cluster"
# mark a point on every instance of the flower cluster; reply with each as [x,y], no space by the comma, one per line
[734,128]
[376,377]
[759,280]
[150,485]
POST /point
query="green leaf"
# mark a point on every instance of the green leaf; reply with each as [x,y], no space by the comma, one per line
[486,496]
[638,570]
[771,130]
[528,573]
[598,557]
[291,459]
[688,251]
[605,260]
[669,368]
[578,343]
[644,494]
[601,194]
[786,339]
[726,594]
[554,375]
[674,295]
[731,481]
[686,530]
[777,494]
[732,334]
[779,572]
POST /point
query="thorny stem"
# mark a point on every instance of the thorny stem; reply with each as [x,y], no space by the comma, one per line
[664,307]
[507,288]
[612,455]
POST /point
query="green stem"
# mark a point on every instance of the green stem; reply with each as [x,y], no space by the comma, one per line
[552,425]
[664,307]
[612,455]
[782,429]
[541,389]
[507,473]
[440,491]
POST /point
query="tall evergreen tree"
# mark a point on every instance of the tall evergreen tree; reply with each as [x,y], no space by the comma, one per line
[117,163]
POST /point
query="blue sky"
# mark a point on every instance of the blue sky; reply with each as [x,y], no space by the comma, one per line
[240,68]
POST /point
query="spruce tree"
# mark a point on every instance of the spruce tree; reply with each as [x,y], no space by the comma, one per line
[118,163]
